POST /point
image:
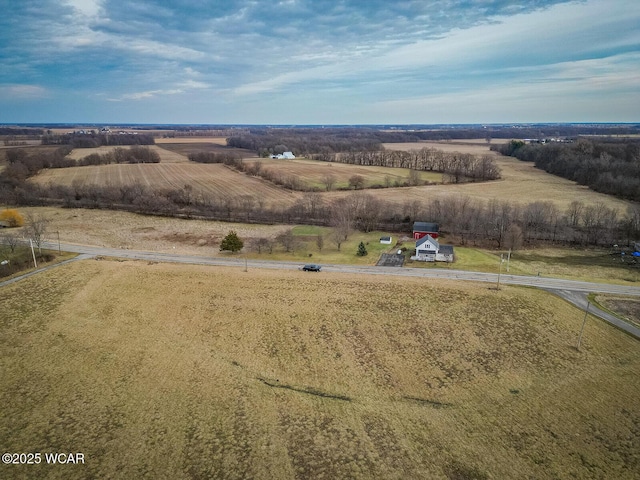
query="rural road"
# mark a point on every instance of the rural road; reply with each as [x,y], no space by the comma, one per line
[573,291]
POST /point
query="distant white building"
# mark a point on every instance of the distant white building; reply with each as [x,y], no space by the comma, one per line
[285,155]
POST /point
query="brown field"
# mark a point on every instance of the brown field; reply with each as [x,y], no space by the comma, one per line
[311,172]
[185,148]
[204,140]
[117,229]
[474,147]
[521,183]
[212,180]
[156,370]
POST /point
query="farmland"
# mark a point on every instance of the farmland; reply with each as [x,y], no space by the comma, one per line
[166,156]
[312,173]
[521,181]
[155,370]
[210,180]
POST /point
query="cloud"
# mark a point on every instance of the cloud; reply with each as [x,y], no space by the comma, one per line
[23,92]
[263,54]
[89,8]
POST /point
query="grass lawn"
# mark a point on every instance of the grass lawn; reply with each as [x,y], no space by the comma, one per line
[178,371]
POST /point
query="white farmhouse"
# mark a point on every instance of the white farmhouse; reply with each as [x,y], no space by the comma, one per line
[428,249]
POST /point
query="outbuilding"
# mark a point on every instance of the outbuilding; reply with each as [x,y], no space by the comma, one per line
[420,229]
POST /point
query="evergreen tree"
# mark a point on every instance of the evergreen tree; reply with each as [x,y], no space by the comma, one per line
[231,242]
[362,250]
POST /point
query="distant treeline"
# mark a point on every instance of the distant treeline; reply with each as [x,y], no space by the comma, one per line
[210,157]
[606,166]
[92,140]
[267,141]
[20,131]
[306,141]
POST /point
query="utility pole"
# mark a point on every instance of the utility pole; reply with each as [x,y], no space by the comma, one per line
[508,260]
[59,251]
[499,272]
[33,253]
[584,322]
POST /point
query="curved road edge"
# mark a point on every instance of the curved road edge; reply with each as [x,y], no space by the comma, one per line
[573,291]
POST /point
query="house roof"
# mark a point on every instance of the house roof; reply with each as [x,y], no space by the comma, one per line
[426,238]
[446,249]
[425,227]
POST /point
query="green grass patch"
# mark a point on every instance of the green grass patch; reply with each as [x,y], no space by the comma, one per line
[20,261]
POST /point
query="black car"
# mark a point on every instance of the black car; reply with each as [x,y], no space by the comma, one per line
[311,267]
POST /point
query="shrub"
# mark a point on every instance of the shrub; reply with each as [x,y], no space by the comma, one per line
[12,217]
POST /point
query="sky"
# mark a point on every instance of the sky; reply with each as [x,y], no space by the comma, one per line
[319,61]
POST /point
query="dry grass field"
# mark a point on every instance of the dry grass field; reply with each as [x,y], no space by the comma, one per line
[474,147]
[312,172]
[116,229]
[184,140]
[170,371]
[521,183]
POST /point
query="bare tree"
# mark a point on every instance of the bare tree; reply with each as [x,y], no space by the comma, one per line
[413,178]
[36,229]
[329,181]
[288,240]
[320,242]
[10,241]
[574,213]
[356,181]
[337,237]
[343,217]
[258,244]
[513,237]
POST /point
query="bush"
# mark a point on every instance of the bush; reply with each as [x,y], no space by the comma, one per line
[231,242]
[12,217]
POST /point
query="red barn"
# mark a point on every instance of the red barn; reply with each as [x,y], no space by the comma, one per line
[420,229]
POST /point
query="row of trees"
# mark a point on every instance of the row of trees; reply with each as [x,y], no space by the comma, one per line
[212,157]
[611,167]
[500,224]
[94,139]
[134,154]
[457,167]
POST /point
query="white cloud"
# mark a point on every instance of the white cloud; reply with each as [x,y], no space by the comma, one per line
[23,92]
[89,8]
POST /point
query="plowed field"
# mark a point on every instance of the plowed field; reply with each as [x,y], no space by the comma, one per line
[214,180]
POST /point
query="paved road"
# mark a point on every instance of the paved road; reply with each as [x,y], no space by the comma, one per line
[571,290]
